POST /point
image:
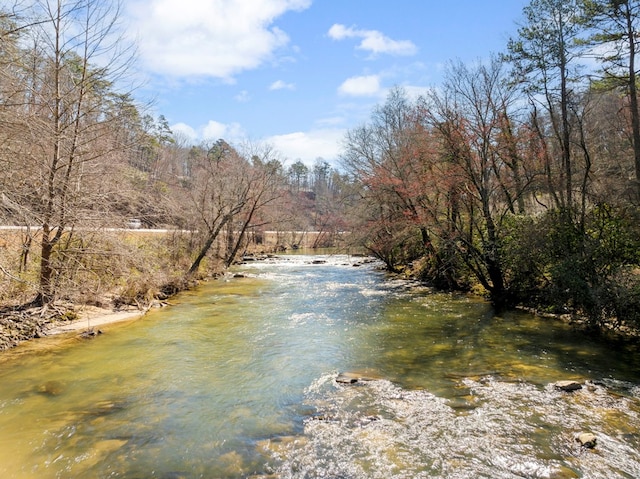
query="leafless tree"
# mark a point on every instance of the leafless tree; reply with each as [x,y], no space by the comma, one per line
[61,130]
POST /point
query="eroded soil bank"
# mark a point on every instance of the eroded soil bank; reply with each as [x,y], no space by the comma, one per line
[19,325]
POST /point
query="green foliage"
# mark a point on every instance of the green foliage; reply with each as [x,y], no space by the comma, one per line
[523,250]
[444,269]
[620,299]
[394,247]
[563,266]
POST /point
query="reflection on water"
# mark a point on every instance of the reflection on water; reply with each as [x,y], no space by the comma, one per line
[237,379]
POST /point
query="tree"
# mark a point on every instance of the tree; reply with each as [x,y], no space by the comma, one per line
[220,190]
[265,186]
[389,157]
[472,115]
[544,55]
[616,23]
[59,101]
[298,176]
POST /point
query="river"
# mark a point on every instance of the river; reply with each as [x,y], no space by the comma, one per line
[237,379]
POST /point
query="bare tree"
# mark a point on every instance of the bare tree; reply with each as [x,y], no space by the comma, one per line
[220,190]
[545,55]
[62,130]
[265,186]
[616,24]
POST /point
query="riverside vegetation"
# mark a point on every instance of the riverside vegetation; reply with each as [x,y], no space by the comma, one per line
[517,178]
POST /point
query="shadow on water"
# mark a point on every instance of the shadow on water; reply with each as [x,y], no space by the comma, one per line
[238,379]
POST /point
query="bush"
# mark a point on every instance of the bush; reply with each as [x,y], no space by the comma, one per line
[523,252]
[561,265]
[92,267]
[620,300]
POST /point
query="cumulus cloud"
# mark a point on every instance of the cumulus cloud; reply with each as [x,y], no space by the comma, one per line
[214,130]
[184,130]
[281,85]
[368,85]
[219,38]
[308,146]
[373,41]
[300,145]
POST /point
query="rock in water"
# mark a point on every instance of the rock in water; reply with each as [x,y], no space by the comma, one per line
[352,378]
[51,388]
[568,386]
[347,378]
[587,439]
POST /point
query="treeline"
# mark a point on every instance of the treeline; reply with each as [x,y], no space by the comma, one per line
[79,158]
[518,176]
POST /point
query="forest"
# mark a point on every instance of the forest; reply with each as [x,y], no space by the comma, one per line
[517,178]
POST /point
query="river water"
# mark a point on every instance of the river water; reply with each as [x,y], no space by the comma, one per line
[238,380]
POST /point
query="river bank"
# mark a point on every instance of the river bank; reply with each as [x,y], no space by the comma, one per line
[24,324]
[93,318]
[240,377]
[21,324]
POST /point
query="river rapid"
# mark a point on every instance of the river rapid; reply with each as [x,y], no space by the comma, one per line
[237,379]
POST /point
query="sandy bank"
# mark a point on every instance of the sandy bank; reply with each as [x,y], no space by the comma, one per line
[94,318]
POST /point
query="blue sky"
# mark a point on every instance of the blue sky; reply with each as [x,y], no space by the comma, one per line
[297,74]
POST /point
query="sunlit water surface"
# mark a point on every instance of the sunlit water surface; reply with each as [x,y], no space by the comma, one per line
[238,379]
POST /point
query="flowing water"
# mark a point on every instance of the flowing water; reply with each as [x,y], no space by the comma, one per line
[238,379]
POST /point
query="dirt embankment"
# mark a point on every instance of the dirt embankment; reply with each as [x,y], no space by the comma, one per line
[18,325]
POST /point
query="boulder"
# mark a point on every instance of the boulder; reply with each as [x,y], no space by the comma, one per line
[352,378]
[568,386]
[346,378]
[586,439]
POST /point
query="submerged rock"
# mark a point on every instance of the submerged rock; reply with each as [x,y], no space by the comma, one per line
[568,386]
[563,472]
[352,378]
[586,439]
[90,333]
[51,388]
[346,378]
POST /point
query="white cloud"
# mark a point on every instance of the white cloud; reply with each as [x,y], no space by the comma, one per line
[219,38]
[308,146]
[185,130]
[339,32]
[214,130]
[373,41]
[305,146]
[243,96]
[281,85]
[368,85]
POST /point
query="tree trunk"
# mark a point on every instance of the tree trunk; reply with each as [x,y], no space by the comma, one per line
[633,99]
[45,293]
[213,235]
[236,247]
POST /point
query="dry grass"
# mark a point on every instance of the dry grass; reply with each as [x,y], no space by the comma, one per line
[96,267]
